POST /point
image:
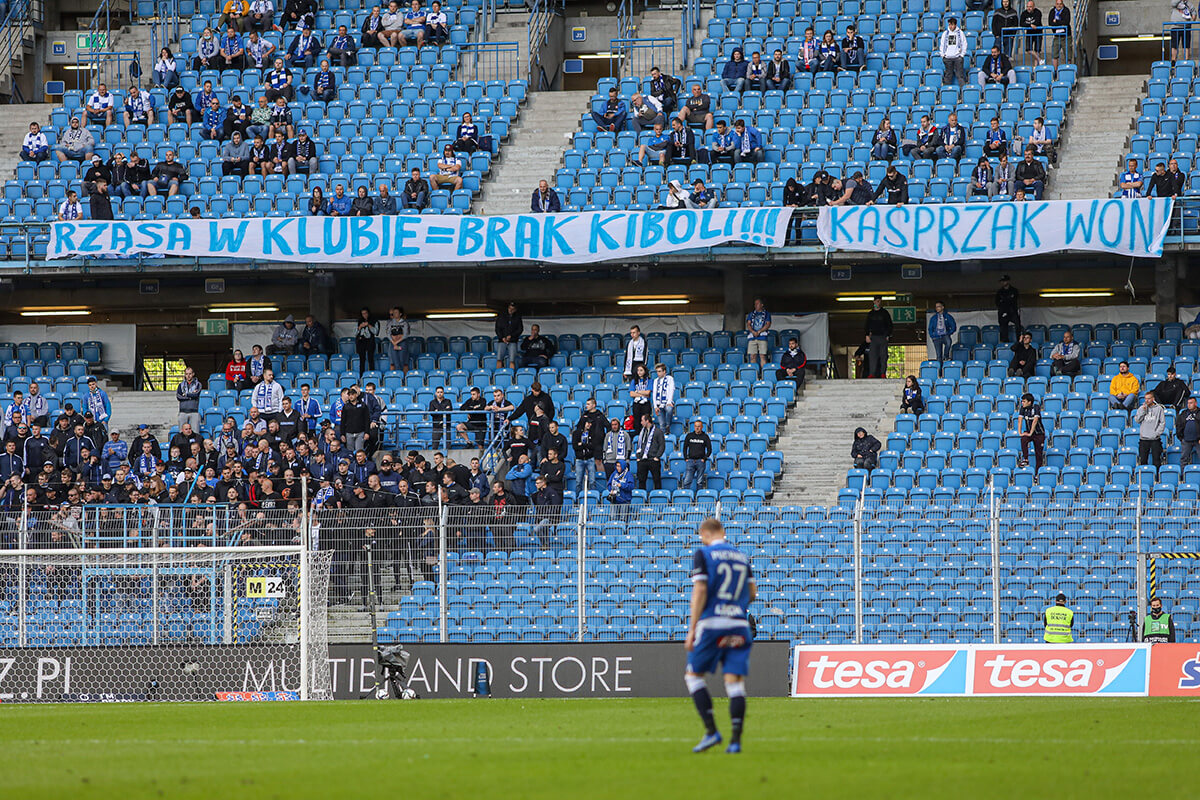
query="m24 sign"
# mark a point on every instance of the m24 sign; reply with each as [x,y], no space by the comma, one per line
[970,670]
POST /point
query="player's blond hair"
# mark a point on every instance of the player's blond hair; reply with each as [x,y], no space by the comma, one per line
[712,525]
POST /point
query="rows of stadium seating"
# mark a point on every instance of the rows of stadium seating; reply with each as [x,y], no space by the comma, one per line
[1168,125]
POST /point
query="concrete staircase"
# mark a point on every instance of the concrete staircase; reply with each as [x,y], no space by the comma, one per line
[158,410]
[1096,137]
[535,150]
[816,440]
[665,24]
[14,124]
[511,26]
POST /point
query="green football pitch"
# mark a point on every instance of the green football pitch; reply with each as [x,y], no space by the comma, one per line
[564,749]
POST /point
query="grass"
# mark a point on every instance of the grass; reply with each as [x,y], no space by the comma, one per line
[520,749]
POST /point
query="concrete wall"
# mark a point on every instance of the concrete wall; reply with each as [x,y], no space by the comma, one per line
[1137,17]
[600,31]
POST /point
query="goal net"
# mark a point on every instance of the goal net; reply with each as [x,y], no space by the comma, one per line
[162,623]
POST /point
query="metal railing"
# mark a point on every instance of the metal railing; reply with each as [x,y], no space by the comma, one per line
[163,24]
[689,20]
[1180,36]
[635,57]
[18,28]
[114,69]
[485,21]
[1034,47]
[490,61]
[541,16]
[625,15]
[425,430]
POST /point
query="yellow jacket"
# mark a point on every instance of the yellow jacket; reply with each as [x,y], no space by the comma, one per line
[1124,384]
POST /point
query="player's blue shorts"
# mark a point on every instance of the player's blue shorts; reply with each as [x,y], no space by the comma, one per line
[728,647]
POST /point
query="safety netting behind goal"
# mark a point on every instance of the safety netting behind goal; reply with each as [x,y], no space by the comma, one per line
[146,624]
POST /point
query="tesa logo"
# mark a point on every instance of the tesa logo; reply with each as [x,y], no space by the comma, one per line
[868,672]
[1047,671]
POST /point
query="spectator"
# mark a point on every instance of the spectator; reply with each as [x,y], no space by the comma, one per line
[635,351]
[1059,19]
[657,144]
[398,330]
[884,145]
[258,53]
[362,205]
[1123,389]
[97,170]
[235,156]
[792,364]
[733,76]
[664,89]
[1173,392]
[258,365]
[912,401]
[953,49]
[165,177]
[180,107]
[982,177]
[1040,140]
[864,450]
[620,485]
[779,73]
[618,446]
[544,200]
[188,395]
[303,161]
[650,448]
[509,327]
[749,143]
[613,116]
[474,430]
[285,341]
[1169,183]
[372,30]
[166,73]
[681,146]
[356,421]
[1024,358]
[1187,430]
[262,16]
[466,138]
[76,143]
[536,350]
[437,29]
[928,140]
[235,14]
[817,193]
[1182,15]
[588,442]
[878,327]
[137,177]
[535,403]
[70,209]
[366,332]
[304,49]
[1031,19]
[1031,175]
[325,83]
[995,141]
[854,49]
[393,26]
[1004,180]
[1152,421]
[280,153]
[829,55]
[214,121]
[97,403]
[758,333]
[99,203]
[232,53]
[237,117]
[279,83]
[756,73]
[414,24]
[383,203]
[138,107]
[701,197]
[1005,16]
[1031,431]
[696,449]
[894,185]
[340,205]
[954,139]
[640,389]
[940,329]
[645,113]
[449,170]
[662,398]
[1064,358]
[342,48]
[997,68]
[35,146]
[697,111]
[416,192]
[677,196]
[208,52]
[810,59]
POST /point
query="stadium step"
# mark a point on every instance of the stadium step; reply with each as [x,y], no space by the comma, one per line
[1096,138]
[158,410]
[14,124]
[665,24]
[542,134]
[815,442]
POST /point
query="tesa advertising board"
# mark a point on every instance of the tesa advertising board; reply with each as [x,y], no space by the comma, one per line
[1175,670]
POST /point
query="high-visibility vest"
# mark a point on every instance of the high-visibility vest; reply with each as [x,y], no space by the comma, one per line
[1058,625]
[1159,628]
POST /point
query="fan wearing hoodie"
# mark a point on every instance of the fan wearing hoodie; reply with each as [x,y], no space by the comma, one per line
[864,451]
[286,338]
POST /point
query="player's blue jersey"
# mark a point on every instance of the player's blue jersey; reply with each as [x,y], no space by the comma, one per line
[727,572]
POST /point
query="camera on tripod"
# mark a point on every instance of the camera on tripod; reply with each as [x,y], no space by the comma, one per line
[393,662]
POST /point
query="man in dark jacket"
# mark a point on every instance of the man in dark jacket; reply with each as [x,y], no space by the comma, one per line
[1172,393]
[894,185]
[1031,175]
[697,450]
[536,350]
[355,422]
[312,337]
[509,327]
[544,200]
[536,397]
[878,329]
[439,412]
[1008,307]
[101,204]
[1187,430]
[792,363]
[864,450]
[649,450]
[1024,358]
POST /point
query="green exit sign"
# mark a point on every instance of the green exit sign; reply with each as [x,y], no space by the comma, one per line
[91,41]
[212,327]
[903,314]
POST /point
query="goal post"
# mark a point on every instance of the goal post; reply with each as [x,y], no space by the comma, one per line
[164,623]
